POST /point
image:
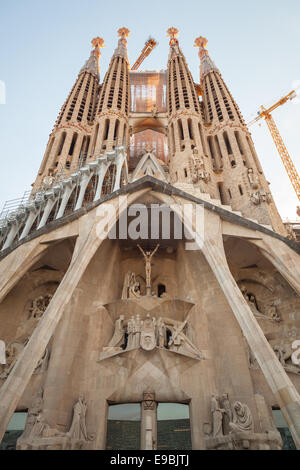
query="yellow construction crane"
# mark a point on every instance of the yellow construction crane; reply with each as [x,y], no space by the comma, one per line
[284,154]
[148,48]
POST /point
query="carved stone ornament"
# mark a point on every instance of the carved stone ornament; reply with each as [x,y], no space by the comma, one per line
[149,401]
[259,197]
[148,340]
[12,353]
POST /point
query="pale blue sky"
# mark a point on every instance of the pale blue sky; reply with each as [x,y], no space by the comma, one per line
[44,43]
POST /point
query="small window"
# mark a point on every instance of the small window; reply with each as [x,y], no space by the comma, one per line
[161,289]
[241,190]
[185,173]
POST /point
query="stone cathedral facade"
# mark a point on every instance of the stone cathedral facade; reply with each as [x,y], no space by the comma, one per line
[93,319]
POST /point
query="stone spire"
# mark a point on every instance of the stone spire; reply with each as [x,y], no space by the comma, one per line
[121,50]
[111,128]
[92,64]
[70,139]
[174,43]
[207,64]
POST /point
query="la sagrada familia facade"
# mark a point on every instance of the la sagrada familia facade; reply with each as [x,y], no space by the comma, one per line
[90,321]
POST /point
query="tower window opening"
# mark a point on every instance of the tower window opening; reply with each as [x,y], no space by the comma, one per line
[180,129]
[61,144]
[227,143]
[74,139]
[116,129]
[106,130]
[221,192]
[211,148]
[238,140]
[241,190]
[190,128]
[185,172]
[229,192]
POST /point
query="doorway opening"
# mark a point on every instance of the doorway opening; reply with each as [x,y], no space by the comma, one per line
[124,427]
[173,427]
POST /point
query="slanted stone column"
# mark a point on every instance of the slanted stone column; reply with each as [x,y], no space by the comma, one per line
[86,247]
[282,387]
[211,244]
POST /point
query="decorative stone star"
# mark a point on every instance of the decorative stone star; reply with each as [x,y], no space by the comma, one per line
[172,32]
[123,32]
[201,42]
[97,42]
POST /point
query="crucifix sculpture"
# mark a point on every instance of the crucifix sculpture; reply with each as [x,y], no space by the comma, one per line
[148,255]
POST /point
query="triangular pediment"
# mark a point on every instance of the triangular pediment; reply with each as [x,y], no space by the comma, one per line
[149,165]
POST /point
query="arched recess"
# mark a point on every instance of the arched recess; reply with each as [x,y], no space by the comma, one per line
[23,308]
[263,287]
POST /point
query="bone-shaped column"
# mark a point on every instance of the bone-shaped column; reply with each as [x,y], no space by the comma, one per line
[33,209]
[119,164]
[15,227]
[68,188]
[52,197]
[86,176]
[103,167]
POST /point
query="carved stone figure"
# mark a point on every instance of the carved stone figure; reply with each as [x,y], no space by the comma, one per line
[33,427]
[290,232]
[78,429]
[118,338]
[36,311]
[271,312]
[137,328]
[242,418]
[161,334]
[197,168]
[43,363]
[284,352]
[2,353]
[148,255]
[12,354]
[217,416]
[253,179]
[148,340]
[227,416]
[39,306]
[259,197]
[130,333]
[131,288]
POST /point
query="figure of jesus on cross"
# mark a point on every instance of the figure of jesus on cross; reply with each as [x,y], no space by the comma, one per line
[148,255]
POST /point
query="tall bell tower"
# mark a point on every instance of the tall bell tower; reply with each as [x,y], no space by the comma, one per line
[237,173]
[70,138]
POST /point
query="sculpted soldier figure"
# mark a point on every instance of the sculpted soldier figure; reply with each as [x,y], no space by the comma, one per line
[119,334]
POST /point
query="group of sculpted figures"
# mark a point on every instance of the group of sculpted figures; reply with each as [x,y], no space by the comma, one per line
[37,427]
[10,353]
[229,419]
[270,310]
[150,333]
[283,349]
